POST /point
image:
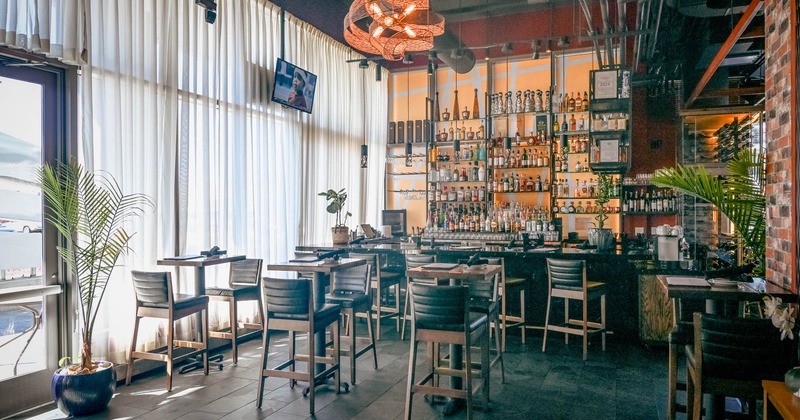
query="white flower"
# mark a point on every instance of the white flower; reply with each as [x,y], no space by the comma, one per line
[771,305]
[783,319]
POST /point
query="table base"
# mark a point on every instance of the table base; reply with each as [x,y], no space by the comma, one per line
[197,363]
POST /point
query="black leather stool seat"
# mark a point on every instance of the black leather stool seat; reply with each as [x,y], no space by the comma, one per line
[348,300]
[180,302]
[591,287]
[235,290]
[476,320]
[322,316]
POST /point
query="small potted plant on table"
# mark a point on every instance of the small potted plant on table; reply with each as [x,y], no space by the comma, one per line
[600,236]
[89,213]
[339,232]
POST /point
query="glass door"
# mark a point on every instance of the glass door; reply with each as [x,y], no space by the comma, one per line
[31,128]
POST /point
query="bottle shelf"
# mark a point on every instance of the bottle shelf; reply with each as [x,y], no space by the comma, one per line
[449,143]
[452,162]
[608,131]
[585,214]
[494,168]
[405,173]
[460,120]
[495,140]
[458,182]
[458,202]
[572,133]
[575,172]
[520,192]
[649,213]
[580,198]
[403,144]
[511,114]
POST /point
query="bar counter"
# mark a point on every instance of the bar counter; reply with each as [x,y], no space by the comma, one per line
[627,274]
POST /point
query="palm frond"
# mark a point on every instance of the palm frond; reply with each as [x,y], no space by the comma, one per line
[739,195]
[90,212]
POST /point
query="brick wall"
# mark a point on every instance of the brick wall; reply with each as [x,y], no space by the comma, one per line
[780,20]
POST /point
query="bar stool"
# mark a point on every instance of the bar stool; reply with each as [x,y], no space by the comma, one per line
[681,336]
[382,280]
[567,279]
[154,299]
[350,290]
[413,261]
[517,284]
[290,307]
[244,284]
[441,315]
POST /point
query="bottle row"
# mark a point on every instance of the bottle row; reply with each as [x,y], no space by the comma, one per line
[530,101]
[664,201]
[590,208]
[462,133]
[582,189]
[465,114]
[457,195]
[508,218]
[572,103]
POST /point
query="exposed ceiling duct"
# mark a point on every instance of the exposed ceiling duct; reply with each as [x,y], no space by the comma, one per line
[444,45]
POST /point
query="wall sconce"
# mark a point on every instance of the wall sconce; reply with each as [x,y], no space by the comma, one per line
[378,73]
[408,58]
[363,64]
[549,45]
[535,46]
[364,155]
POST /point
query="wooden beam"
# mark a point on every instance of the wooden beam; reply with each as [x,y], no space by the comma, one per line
[737,32]
[735,91]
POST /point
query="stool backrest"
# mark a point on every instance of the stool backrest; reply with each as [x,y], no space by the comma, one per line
[439,307]
[351,280]
[742,348]
[566,273]
[413,261]
[372,260]
[287,297]
[246,272]
[152,287]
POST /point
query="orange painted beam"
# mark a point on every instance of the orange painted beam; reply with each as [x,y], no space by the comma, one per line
[737,32]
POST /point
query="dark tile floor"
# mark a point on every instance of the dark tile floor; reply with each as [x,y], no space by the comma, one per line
[628,381]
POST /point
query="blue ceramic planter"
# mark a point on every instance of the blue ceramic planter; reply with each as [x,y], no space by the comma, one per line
[82,395]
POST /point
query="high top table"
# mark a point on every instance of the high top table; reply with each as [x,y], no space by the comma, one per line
[455,277]
[716,300]
[321,270]
[199,263]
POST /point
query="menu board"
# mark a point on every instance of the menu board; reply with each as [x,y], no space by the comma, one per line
[605,84]
[609,150]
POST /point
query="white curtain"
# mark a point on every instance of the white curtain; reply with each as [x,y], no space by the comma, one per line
[56,28]
[179,109]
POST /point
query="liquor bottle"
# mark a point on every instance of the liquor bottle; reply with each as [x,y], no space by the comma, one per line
[555,208]
[481,132]
[475,108]
[585,165]
[436,112]
[564,126]
[565,103]
[465,113]
[560,102]
[585,101]
[540,160]
[580,209]
[556,126]
[525,161]
[572,123]
[578,102]
[572,104]
[446,115]
[455,104]
[571,208]
[481,174]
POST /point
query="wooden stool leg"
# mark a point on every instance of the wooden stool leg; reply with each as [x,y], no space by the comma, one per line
[397,305]
[486,365]
[378,311]
[503,318]
[371,332]
[603,319]
[170,338]
[337,355]
[522,313]
[672,387]
[353,351]
[546,321]
[292,353]
[405,313]
[566,319]
[500,356]
[129,373]
[234,329]
[311,372]
[585,326]
[264,356]
[204,335]
[412,363]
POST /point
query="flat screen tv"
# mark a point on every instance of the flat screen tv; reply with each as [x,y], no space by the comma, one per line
[293,87]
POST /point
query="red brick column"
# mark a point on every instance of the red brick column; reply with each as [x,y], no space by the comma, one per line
[781,188]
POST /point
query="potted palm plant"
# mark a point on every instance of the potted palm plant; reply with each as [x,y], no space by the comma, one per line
[739,195]
[340,232]
[599,235]
[89,212]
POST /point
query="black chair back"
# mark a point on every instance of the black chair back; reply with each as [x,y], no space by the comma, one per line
[152,287]
[245,272]
[746,349]
[351,280]
[439,307]
[287,298]
[413,261]
[566,273]
[373,260]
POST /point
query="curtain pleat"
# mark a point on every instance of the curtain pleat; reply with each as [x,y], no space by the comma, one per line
[56,28]
[180,110]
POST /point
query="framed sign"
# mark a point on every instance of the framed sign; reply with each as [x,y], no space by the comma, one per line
[609,151]
[605,84]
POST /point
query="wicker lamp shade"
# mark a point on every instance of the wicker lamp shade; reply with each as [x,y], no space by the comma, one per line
[392,27]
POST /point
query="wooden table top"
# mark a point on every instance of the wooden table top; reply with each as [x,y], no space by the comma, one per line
[316,266]
[460,272]
[782,398]
[743,292]
[201,261]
